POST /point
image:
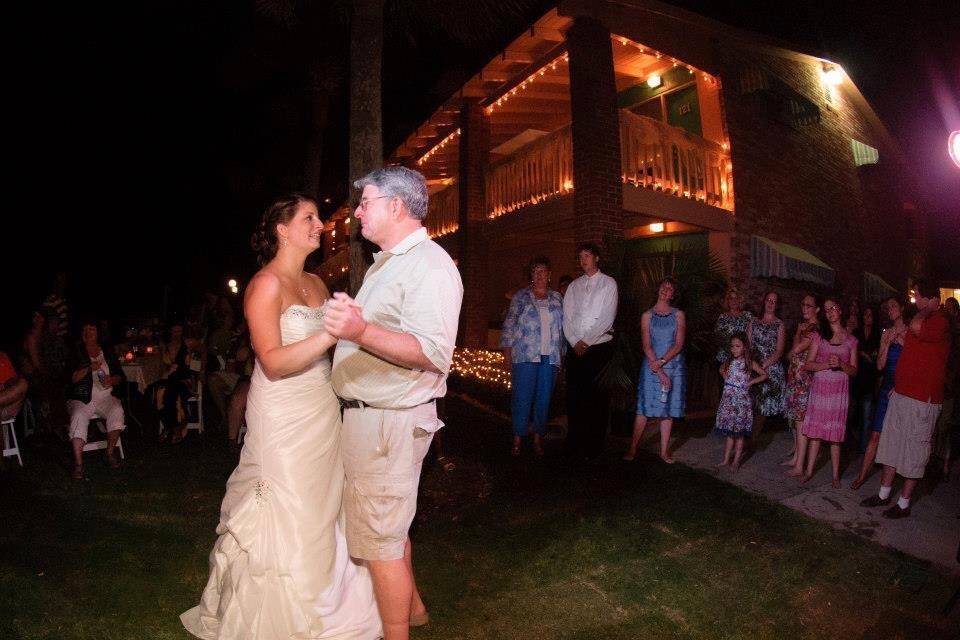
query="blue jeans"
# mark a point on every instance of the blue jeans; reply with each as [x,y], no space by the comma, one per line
[532,385]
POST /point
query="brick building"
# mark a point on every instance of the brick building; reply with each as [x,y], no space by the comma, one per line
[641,126]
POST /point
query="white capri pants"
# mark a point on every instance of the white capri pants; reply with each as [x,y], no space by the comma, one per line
[102,405]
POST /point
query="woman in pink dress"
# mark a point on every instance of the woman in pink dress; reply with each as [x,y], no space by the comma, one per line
[833,361]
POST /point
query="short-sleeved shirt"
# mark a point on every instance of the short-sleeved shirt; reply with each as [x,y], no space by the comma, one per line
[7,372]
[413,288]
[922,367]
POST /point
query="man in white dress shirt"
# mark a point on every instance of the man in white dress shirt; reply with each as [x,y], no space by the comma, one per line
[589,308]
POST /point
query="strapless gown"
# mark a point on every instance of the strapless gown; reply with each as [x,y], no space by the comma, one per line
[280,567]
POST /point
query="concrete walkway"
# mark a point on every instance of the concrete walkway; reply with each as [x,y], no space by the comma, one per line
[932,532]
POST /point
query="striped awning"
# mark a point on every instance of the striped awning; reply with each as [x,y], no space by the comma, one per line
[771,259]
[876,289]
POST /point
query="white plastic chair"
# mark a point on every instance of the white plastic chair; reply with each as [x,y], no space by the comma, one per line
[102,444]
[10,433]
[197,399]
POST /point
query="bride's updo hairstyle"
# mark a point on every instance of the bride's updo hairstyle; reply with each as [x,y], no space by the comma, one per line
[264,240]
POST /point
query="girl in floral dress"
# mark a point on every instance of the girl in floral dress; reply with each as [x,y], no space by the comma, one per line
[798,380]
[735,413]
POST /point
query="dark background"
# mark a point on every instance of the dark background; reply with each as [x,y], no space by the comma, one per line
[146,139]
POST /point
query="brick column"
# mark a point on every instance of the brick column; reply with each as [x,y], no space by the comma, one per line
[598,192]
[474,150]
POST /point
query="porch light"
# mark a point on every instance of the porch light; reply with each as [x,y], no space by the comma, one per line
[953,147]
[656,227]
[231,283]
[654,81]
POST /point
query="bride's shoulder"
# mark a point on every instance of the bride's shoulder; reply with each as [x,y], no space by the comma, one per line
[263,286]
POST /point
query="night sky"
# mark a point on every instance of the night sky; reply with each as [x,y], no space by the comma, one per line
[147,138]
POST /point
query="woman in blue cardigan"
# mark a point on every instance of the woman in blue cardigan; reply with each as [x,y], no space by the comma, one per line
[532,340]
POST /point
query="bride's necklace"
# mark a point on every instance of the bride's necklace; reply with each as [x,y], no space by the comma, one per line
[303,289]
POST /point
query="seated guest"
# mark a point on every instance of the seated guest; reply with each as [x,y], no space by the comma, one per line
[915,402]
[182,357]
[94,381]
[13,389]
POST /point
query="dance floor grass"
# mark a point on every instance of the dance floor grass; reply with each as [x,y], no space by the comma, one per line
[504,548]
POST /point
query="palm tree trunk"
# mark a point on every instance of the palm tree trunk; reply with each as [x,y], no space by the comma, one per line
[366,122]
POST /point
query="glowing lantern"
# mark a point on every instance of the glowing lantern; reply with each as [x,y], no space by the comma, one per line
[953,146]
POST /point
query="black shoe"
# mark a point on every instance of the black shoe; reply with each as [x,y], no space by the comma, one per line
[875,501]
[895,512]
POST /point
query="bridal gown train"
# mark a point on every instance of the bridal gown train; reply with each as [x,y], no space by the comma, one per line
[280,567]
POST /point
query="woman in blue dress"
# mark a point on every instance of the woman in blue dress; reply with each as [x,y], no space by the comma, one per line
[891,344]
[661,392]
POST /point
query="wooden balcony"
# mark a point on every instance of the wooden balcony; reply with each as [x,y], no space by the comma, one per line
[540,170]
[654,156]
[443,213]
[657,156]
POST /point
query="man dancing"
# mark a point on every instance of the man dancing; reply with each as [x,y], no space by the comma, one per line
[390,366]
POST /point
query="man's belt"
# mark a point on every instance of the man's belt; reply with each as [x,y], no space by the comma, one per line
[360,404]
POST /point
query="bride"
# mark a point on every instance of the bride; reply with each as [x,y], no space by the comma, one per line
[280,567]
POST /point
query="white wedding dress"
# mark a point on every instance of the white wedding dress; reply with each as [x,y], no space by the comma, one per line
[280,567]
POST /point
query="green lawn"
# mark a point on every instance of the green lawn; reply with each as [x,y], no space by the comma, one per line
[503,549]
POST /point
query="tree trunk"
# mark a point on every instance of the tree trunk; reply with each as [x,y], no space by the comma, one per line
[313,163]
[366,124]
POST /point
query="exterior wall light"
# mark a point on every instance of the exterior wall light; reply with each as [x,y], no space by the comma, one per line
[654,81]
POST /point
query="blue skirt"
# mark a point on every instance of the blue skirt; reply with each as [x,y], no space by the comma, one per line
[648,390]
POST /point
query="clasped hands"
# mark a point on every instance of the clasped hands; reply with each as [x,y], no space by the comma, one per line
[343,318]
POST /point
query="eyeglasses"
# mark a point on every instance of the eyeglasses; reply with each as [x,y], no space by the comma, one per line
[365,202]
[831,309]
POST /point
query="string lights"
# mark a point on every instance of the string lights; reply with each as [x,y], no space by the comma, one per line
[437,147]
[498,211]
[552,65]
[624,42]
[482,365]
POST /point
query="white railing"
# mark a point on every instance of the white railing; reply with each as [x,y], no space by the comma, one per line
[540,170]
[443,212]
[653,155]
[657,156]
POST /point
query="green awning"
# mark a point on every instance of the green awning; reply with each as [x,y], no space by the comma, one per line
[772,259]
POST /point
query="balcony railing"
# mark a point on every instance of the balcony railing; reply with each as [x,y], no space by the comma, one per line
[657,156]
[443,214]
[654,155]
[540,170]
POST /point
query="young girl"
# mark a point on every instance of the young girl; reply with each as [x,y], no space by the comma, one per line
[735,414]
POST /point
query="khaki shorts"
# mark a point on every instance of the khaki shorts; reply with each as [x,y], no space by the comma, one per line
[383,451]
[907,435]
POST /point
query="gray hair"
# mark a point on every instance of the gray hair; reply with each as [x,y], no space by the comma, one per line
[401,182]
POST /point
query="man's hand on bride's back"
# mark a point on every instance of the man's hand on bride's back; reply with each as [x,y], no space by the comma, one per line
[343,318]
